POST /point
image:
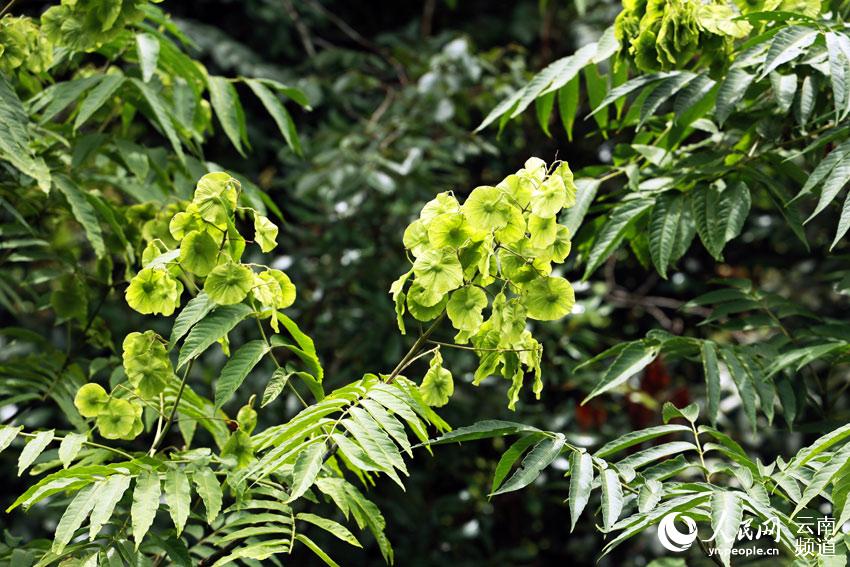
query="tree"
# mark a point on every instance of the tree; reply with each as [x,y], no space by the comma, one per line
[702,149]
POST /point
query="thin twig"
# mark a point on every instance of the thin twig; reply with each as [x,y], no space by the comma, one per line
[359,39]
[302,30]
[161,436]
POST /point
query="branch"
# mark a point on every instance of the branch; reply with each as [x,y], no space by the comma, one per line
[303,32]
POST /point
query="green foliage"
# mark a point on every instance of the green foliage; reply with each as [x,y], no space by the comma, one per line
[723,120]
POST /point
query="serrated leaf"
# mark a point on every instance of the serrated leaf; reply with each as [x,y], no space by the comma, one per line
[719,215]
[74,516]
[692,94]
[377,444]
[743,383]
[161,114]
[307,466]
[509,457]
[228,109]
[33,449]
[612,498]
[15,141]
[7,435]
[832,185]
[389,423]
[663,229]
[320,553]
[730,93]
[553,77]
[843,222]
[83,211]
[210,329]
[820,445]
[712,379]
[585,193]
[838,50]
[662,92]
[278,113]
[581,481]
[613,231]
[787,45]
[804,104]
[70,447]
[543,109]
[237,368]
[147,50]
[145,504]
[784,89]
[637,437]
[631,86]
[483,430]
[726,515]
[821,479]
[655,453]
[209,490]
[275,386]
[109,493]
[334,528]
[196,309]
[97,97]
[649,495]
[178,496]
[56,98]
[568,105]
[540,457]
[631,360]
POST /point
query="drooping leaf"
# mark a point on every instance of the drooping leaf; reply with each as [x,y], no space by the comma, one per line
[7,435]
[83,211]
[228,109]
[613,232]
[334,528]
[108,493]
[540,457]
[612,497]
[196,309]
[726,515]
[308,464]
[145,504]
[33,449]
[581,482]
[210,329]
[74,516]
[712,379]
[147,50]
[663,228]
[97,97]
[320,553]
[237,368]
[70,447]
[209,490]
[178,496]
[15,142]
[787,45]
[634,358]
[509,457]
[731,92]
[483,430]
[278,113]
[161,114]
[637,437]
